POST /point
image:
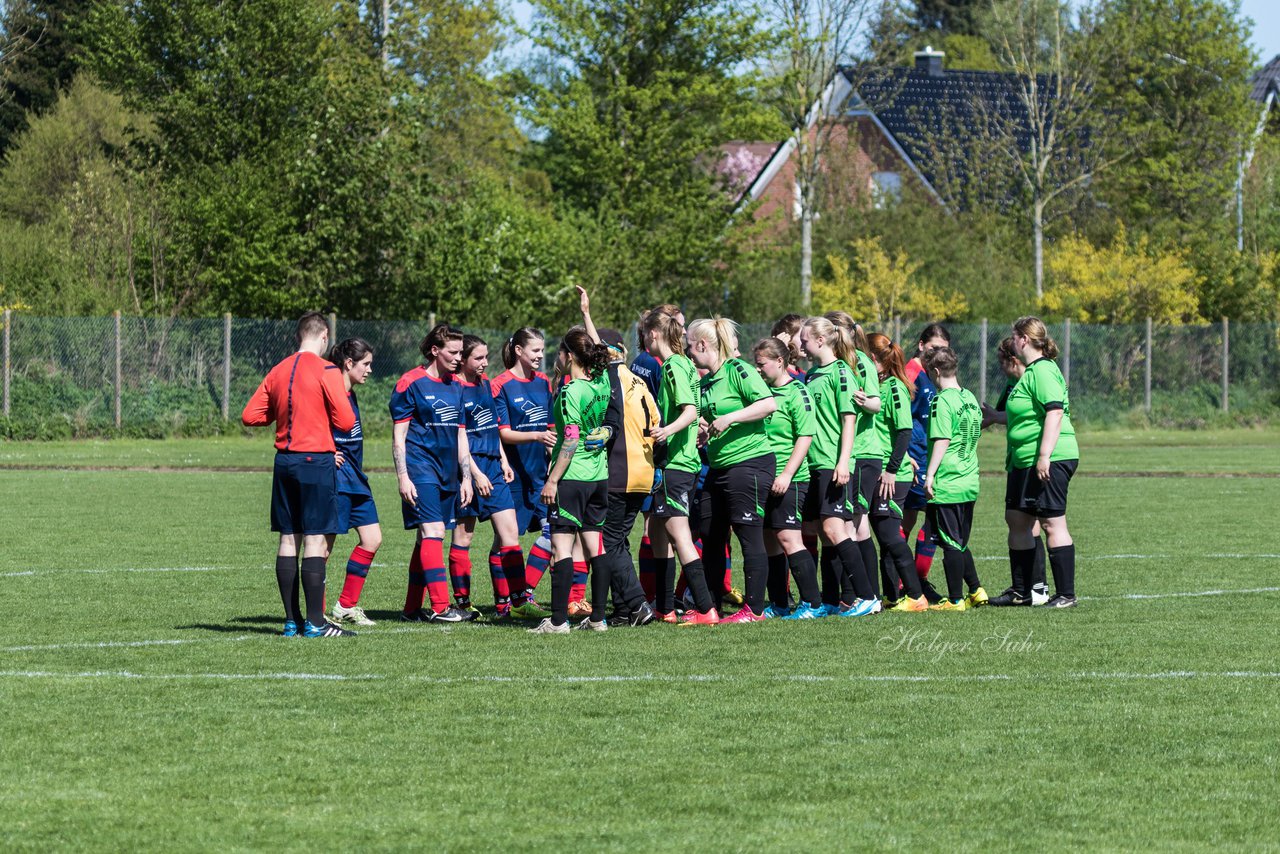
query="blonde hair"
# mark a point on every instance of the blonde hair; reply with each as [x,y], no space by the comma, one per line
[720,331]
[845,321]
[1037,335]
[838,336]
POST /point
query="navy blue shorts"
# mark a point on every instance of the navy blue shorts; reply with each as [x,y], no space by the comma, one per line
[434,505]
[530,511]
[355,511]
[304,493]
[916,499]
[484,506]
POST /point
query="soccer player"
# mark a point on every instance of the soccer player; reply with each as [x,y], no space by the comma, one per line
[305,397]
[787,330]
[1013,371]
[1042,459]
[733,404]
[951,478]
[932,337]
[492,475]
[354,357]
[577,487]
[433,466]
[894,426]
[828,508]
[646,365]
[790,429]
[676,452]
[522,396]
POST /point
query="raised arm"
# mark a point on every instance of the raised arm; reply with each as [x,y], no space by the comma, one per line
[584,302]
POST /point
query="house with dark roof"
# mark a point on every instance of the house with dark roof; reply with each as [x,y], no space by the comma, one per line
[887,129]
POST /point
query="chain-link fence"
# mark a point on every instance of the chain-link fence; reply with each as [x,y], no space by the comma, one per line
[75,376]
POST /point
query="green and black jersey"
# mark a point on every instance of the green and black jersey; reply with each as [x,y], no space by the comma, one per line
[1042,389]
[867,444]
[830,390]
[895,415]
[792,419]
[678,388]
[583,403]
[955,415]
[735,386]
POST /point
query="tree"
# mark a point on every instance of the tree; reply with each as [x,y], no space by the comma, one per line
[629,102]
[39,55]
[881,287]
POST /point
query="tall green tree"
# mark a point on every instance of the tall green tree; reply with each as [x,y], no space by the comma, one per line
[39,49]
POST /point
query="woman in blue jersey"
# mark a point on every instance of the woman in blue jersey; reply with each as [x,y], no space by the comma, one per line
[933,337]
[493,500]
[433,466]
[522,396]
[356,509]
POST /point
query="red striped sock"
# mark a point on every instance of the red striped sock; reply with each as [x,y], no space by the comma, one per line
[728,567]
[539,560]
[498,577]
[512,561]
[460,571]
[357,571]
[925,549]
[431,553]
[417,582]
[578,591]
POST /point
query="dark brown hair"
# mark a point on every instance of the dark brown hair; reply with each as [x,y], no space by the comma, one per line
[310,325]
[522,337]
[354,349]
[591,356]
[942,362]
[439,336]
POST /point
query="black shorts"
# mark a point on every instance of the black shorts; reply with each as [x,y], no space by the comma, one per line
[1026,492]
[304,493]
[892,508]
[868,484]
[826,500]
[677,496]
[737,495]
[951,524]
[785,512]
[580,505]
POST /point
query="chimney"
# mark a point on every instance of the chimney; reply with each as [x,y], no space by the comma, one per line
[929,61]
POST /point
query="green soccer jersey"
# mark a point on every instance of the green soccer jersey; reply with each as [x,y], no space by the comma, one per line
[830,390]
[1041,390]
[867,444]
[734,387]
[793,419]
[677,389]
[955,415]
[583,403]
[895,415]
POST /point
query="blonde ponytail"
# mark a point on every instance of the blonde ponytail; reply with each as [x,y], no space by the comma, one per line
[720,331]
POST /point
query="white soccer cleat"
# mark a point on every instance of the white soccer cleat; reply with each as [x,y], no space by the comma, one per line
[354,615]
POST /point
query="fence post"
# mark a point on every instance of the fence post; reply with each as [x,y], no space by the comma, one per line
[119,355]
[1066,353]
[8,318]
[1226,362]
[1146,379]
[333,328]
[982,364]
[226,366]
[431,320]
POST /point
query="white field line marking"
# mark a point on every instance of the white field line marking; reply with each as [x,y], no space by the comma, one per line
[111,644]
[1083,676]
[116,569]
[1182,595]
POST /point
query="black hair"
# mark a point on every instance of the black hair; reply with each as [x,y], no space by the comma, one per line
[592,356]
[354,349]
[934,330]
[521,338]
[440,335]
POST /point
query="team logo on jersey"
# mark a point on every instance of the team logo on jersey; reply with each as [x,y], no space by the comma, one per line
[482,415]
[355,431]
[534,413]
[445,411]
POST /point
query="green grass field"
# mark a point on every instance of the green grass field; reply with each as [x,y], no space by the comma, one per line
[148,702]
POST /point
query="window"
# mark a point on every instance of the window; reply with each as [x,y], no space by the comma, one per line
[886,188]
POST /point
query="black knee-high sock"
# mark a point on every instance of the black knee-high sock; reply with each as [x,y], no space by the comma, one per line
[755,567]
[1037,571]
[601,579]
[871,565]
[779,584]
[953,563]
[830,576]
[1021,565]
[665,591]
[896,563]
[287,581]
[313,588]
[561,585]
[1063,561]
[970,572]
[806,576]
[851,558]
[696,577]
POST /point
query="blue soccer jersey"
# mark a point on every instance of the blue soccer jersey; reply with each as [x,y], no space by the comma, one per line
[351,477]
[648,368]
[925,393]
[525,405]
[482,419]
[433,409]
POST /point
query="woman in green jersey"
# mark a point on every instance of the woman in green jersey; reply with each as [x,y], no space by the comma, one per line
[829,504]
[577,489]
[951,479]
[676,455]
[1042,459]
[790,430]
[733,404]
[894,427]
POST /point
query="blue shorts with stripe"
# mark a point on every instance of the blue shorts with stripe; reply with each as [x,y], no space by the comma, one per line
[356,511]
[484,506]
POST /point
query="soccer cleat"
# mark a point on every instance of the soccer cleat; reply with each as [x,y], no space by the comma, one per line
[467,608]
[290,629]
[502,615]
[529,610]
[1039,595]
[355,615]
[1061,601]
[734,597]
[807,612]
[422,615]
[911,606]
[1008,599]
[619,621]
[889,603]
[697,618]
[832,610]
[643,616]
[589,625]
[668,617]
[450,615]
[977,598]
[775,611]
[948,605]
[746,615]
[325,630]
[581,608]
[859,608]
[876,606]
[546,627]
